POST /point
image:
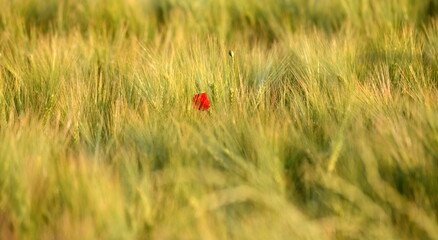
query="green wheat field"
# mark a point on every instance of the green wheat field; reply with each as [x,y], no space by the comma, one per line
[323,121]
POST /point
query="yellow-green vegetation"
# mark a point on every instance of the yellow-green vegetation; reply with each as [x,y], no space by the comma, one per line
[323,122]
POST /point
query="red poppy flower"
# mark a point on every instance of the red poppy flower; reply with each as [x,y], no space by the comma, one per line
[200,101]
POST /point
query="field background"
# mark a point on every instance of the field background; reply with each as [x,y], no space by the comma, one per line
[323,125]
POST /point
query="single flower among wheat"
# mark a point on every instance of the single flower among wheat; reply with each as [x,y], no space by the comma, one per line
[201,102]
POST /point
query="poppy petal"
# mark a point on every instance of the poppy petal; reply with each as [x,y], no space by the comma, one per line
[201,102]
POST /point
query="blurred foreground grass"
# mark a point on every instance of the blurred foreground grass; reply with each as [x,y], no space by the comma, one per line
[324,124]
